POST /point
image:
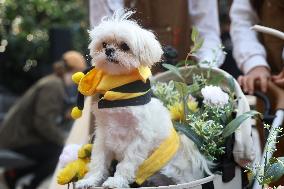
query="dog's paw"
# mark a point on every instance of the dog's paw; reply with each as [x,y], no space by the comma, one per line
[116,182]
[87,183]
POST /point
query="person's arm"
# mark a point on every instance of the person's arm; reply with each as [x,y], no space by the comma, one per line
[48,106]
[248,52]
[101,8]
[204,16]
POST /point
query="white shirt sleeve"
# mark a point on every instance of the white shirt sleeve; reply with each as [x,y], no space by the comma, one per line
[247,50]
[204,16]
[101,8]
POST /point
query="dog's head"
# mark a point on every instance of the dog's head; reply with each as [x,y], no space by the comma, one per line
[119,45]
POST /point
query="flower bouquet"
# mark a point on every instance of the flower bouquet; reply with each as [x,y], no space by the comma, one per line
[203,103]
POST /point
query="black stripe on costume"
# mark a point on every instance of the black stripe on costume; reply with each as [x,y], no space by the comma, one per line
[140,100]
[88,69]
[80,101]
[80,96]
[208,185]
[133,87]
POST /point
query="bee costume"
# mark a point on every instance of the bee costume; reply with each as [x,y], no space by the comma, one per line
[115,90]
[125,90]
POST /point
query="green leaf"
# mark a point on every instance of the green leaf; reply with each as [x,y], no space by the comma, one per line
[194,34]
[273,160]
[231,83]
[193,88]
[274,171]
[216,80]
[185,63]
[187,131]
[182,88]
[235,123]
[224,118]
[173,69]
[197,46]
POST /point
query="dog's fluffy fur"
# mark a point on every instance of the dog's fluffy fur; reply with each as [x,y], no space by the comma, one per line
[130,134]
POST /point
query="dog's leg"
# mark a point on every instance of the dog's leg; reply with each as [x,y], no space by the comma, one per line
[135,154]
[98,167]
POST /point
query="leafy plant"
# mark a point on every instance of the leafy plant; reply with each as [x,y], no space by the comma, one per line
[208,125]
[197,44]
[25,41]
[272,169]
[212,122]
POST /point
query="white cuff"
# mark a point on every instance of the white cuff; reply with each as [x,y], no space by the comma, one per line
[253,62]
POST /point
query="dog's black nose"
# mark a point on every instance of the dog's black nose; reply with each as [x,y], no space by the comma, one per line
[109,52]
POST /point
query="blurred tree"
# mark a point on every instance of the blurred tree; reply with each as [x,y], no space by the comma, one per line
[25,40]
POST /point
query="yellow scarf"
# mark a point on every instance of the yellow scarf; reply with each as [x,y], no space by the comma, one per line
[96,81]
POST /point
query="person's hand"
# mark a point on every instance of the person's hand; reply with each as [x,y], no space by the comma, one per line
[259,73]
[279,79]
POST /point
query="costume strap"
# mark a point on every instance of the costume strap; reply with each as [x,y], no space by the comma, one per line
[159,158]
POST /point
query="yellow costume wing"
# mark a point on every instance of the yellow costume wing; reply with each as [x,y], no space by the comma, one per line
[88,84]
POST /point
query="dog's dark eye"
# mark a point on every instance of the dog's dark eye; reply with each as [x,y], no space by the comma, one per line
[104,44]
[124,47]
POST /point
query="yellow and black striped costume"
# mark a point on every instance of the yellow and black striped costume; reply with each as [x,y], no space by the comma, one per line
[115,90]
[126,90]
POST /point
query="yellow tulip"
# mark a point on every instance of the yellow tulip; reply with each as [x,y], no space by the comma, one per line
[177,110]
[73,171]
[192,105]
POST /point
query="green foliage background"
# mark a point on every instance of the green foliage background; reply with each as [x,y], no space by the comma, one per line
[24,36]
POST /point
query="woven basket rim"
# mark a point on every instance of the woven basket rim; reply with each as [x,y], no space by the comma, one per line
[184,69]
[192,184]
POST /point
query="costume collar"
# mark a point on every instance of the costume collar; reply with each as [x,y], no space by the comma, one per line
[144,72]
[96,81]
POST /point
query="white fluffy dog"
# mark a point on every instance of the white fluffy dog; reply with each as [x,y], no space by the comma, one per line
[129,134]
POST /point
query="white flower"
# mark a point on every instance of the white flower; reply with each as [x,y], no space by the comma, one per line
[214,95]
[69,154]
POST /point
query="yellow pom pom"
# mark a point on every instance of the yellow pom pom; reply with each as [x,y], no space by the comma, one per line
[72,172]
[76,77]
[76,113]
[85,151]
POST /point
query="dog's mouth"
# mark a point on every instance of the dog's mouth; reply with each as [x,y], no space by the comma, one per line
[112,60]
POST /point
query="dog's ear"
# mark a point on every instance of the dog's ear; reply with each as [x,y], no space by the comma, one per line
[150,50]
